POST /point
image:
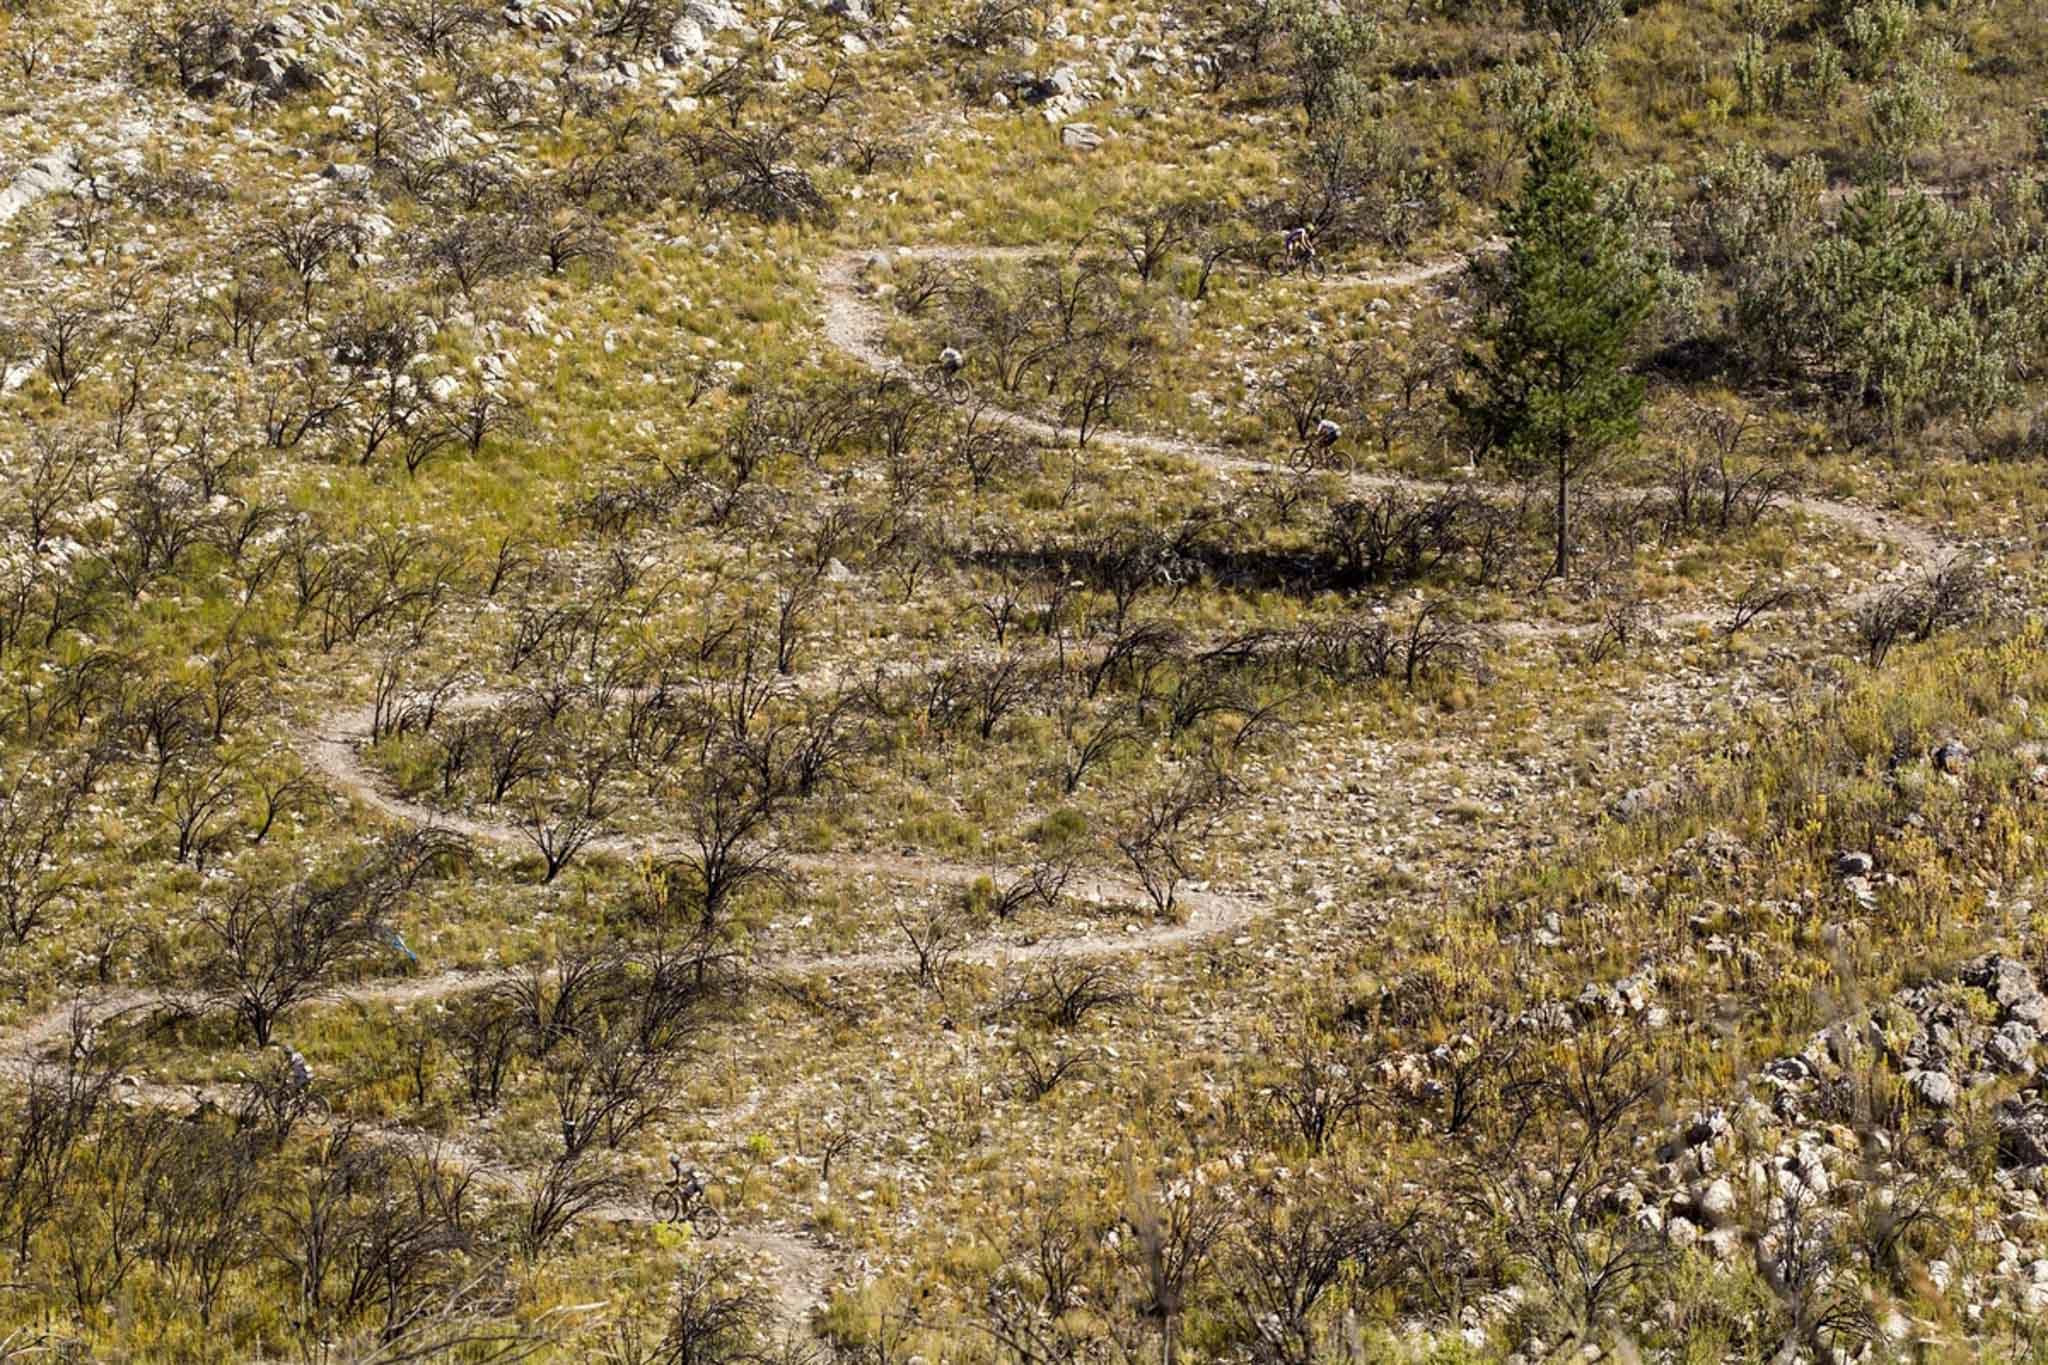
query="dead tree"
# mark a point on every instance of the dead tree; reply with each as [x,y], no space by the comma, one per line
[1287,1256]
[307,244]
[1171,1241]
[278,946]
[1158,843]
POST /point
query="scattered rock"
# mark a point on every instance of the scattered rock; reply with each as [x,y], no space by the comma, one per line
[2022,1133]
[1936,1089]
[349,175]
[712,16]
[686,38]
[1716,1204]
[1632,804]
[1081,137]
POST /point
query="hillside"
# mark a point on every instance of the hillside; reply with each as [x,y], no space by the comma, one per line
[885,680]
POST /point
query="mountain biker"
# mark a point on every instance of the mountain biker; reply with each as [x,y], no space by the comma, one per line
[688,1183]
[397,942]
[1301,243]
[300,1075]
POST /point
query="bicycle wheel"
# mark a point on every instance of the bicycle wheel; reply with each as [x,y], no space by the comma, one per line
[316,1110]
[707,1221]
[668,1206]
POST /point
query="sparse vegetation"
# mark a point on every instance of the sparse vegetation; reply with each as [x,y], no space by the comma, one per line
[1210,681]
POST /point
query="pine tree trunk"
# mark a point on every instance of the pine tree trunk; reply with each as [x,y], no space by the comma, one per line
[1564,542]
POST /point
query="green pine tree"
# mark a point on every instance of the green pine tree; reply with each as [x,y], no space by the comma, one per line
[1547,380]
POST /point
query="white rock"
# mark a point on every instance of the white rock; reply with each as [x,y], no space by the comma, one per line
[1717,1203]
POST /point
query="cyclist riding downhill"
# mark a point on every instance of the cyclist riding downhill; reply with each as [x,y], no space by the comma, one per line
[684,1199]
[1301,245]
[301,1075]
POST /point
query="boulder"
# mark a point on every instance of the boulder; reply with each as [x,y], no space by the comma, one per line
[1716,1203]
[1080,137]
[713,16]
[1936,1089]
[686,36]
[2022,1133]
[2011,1049]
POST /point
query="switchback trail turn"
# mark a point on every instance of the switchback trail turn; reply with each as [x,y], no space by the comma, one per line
[853,322]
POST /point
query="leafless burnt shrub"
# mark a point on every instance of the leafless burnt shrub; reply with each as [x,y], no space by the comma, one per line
[714,1314]
[985,24]
[560,826]
[1342,652]
[507,101]
[728,827]
[1625,620]
[566,237]
[370,1233]
[1287,1256]
[308,243]
[173,192]
[752,171]
[1173,1238]
[1372,539]
[60,1107]
[1949,597]
[866,154]
[277,947]
[1322,1090]
[1437,641]
[478,248]
[1060,994]
[1158,842]
[438,29]
[1575,1114]
[990,453]
[606,1084]
[39,804]
[1325,386]
[1761,597]
[570,1187]
[1149,236]
[931,282]
[1039,1073]
[484,1034]
[1042,885]
[1714,484]
[1090,737]
[76,340]
[1803,1259]
[935,932]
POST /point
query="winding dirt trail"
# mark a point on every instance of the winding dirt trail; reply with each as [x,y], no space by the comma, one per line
[854,322]
[332,748]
